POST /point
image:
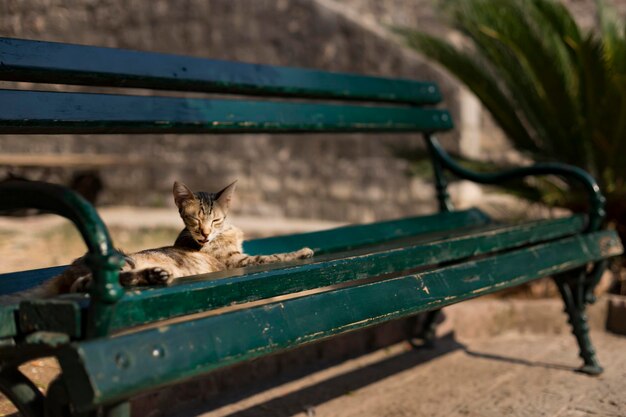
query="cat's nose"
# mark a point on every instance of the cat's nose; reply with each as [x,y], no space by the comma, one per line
[204,234]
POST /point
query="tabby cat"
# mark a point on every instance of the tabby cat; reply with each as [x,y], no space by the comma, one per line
[208,243]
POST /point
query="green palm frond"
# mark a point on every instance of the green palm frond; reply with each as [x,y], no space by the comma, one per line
[557,91]
[472,72]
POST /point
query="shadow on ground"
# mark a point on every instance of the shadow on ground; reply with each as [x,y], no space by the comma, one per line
[519,361]
[327,389]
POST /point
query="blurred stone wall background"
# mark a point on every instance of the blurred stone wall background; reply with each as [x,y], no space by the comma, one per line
[338,177]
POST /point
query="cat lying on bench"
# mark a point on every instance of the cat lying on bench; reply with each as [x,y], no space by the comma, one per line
[208,243]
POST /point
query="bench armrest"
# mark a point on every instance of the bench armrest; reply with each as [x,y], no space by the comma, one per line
[102,258]
[596,199]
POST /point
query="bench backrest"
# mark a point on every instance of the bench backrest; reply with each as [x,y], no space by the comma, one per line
[389,105]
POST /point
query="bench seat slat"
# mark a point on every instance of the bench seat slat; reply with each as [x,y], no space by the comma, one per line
[342,238]
[58,63]
[352,236]
[18,281]
[122,366]
[211,291]
[44,112]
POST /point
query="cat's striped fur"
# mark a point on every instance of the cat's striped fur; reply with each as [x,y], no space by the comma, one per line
[209,243]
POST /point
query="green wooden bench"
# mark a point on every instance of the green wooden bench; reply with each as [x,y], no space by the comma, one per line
[387,270]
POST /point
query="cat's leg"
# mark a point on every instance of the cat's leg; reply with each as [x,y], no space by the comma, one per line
[82,283]
[241,259]
[303,253]
[147,276]
[132,278]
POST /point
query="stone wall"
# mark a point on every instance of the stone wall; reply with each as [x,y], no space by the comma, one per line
[342,177]
[339,177]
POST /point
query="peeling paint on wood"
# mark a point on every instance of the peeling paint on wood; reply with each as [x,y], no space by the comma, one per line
[354,236]
[58,63]
[339,239]
[306,319]
[39,112]
[221,289]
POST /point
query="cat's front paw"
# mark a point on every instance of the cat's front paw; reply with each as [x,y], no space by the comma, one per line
[305,253]
[158,276]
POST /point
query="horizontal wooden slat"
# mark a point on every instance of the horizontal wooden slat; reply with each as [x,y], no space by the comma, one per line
[39,112]
[123,366]
[50,62]
[353,236]
[210,291]
[221,289]
[343,238]
[21,280]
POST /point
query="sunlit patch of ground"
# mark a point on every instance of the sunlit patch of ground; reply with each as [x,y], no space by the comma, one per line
[59,245]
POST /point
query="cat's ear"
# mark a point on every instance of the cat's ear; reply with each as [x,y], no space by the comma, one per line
[224,197]
[182,194]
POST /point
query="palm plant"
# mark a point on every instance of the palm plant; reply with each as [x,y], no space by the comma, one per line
[557,91]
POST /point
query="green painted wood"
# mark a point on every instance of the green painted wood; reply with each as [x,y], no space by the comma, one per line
[571,173]
[102,258]
[36,112]
[126,365]
[8,320]
[62,201]
[57,63]
[18,281]
[353,236]
[342,238]
[210,291]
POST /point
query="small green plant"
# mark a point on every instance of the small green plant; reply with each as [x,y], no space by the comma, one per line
[557,91]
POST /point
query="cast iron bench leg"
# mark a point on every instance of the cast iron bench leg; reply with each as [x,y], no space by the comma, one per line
[572,288]
[57,405]
[423,329]
[21,392]
[429,327]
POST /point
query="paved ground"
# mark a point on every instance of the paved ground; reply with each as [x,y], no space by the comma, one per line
[512,374]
